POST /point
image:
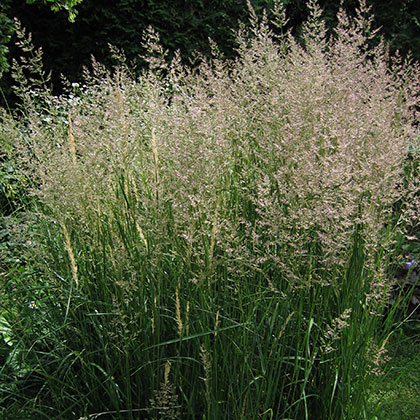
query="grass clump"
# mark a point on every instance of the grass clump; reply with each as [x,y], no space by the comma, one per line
[216,243]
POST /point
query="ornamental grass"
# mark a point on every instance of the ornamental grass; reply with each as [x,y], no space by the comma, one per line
[216,243]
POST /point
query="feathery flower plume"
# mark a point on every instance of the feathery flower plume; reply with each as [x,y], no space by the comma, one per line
[71,254]
[72,145]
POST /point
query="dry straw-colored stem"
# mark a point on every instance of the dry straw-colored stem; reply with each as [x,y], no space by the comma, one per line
[216,324]
[155,162]
[178,310]
[153,318]
[167,372]
[72,145]
[187,319]
[123,122]
[141,234]
[71,254]
[283,328]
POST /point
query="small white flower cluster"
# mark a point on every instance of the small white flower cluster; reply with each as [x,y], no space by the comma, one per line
[32,305]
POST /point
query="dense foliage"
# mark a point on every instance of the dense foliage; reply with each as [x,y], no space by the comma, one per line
[7,12]
[184,25]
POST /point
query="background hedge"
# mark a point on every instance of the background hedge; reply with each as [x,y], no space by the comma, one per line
[183,24]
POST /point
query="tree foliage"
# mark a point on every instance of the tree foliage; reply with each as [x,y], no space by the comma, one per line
[183,25]
[6,29]
[57,5]
[6,23]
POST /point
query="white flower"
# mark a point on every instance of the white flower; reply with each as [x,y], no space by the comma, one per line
[32,305]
